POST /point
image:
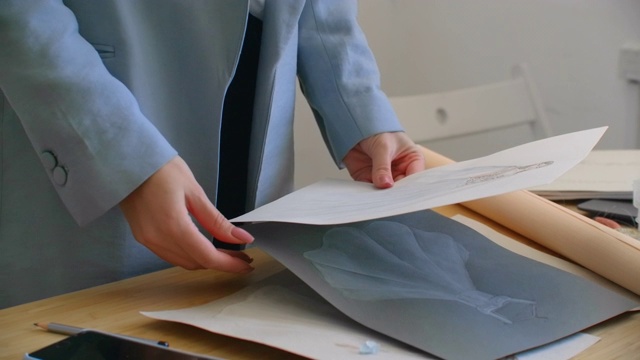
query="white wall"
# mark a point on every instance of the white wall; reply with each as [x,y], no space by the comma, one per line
[571,46]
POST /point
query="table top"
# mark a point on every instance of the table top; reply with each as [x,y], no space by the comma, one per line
[115,308]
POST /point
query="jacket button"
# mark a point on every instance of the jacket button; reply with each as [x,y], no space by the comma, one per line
[59,175]
[49,160]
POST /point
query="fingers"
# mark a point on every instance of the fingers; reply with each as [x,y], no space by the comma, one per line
[182,244]
[217,225]
[357,163]
[370,161]
[204,255]
[416,165]
[381,175]
[158,212]
[213,221]
[408,163]
[239,254]
[381,148]
[384,158]
[200,249]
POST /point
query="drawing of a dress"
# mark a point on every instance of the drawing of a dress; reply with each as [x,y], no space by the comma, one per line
[443,180]
[502,171]
[388,260]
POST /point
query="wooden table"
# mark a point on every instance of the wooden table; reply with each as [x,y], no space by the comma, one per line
[115,308]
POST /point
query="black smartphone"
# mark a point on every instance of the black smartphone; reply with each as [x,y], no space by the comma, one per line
[623,211]
[90,344]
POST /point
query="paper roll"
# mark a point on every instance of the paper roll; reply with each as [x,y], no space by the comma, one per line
[596,247]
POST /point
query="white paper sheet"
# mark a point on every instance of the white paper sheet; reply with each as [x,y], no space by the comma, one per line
[275,312]
[602,174]
[342,201]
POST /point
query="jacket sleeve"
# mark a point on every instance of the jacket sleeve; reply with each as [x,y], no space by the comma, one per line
[339,76]
[85,125]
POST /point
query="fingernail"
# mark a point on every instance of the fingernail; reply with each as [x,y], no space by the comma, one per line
[247,270]
[385,182]
[241,234]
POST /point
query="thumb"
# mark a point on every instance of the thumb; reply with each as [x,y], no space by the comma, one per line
[381,175]
[215,223]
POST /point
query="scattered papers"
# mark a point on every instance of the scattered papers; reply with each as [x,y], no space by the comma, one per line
[283,312]
[513,310]
[602,174]
[296,329]
[344,201]
[439,286]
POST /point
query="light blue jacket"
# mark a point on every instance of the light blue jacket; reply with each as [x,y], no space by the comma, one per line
[98,95]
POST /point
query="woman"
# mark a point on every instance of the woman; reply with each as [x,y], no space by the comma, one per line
[123,102]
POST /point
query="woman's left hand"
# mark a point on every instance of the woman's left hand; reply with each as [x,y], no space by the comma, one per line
[384,158]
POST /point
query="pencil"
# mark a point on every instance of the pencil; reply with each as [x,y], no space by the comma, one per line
[73,330]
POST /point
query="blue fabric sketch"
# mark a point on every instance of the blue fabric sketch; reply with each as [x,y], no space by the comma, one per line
[389,260]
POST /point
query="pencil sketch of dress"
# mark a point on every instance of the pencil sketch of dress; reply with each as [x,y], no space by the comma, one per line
[388,260]
[503,171]
[442,180]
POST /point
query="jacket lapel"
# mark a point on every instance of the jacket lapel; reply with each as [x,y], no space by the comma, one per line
[271,157]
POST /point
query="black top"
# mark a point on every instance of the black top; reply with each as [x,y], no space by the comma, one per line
[237,116]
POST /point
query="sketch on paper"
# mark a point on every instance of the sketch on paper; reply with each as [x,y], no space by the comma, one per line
[443,181]
[389,260]
[504,171]
[340,201]
[331,202]
[439,285]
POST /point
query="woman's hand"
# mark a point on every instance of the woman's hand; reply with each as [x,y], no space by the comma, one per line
[384,158]
[159,213]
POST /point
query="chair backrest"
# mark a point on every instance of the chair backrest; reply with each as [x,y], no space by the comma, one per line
[436,118]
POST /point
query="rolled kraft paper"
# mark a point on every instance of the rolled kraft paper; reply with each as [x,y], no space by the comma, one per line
[598,248]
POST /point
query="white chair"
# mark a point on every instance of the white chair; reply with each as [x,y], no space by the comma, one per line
[461,124]
[477,121]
